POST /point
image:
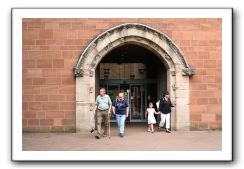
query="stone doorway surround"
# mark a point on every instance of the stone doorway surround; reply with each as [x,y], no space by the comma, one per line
[178,70]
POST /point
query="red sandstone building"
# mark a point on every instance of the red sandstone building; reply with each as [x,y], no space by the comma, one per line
[65,61]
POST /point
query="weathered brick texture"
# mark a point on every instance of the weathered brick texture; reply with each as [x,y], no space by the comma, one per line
[52,46]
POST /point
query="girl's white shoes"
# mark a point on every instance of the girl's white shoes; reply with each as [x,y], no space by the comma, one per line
[150,130]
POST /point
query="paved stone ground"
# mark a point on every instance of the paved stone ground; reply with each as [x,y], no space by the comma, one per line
[136,138]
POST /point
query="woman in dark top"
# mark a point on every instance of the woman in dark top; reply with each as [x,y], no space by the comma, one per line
[165,109]
[121,110]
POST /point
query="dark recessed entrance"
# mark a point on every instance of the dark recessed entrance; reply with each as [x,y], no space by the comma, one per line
[137,72]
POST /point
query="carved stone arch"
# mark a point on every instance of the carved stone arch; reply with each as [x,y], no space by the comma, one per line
[139,32]
[161,54]
[178,70]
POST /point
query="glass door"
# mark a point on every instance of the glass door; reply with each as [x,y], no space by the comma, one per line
[137,103]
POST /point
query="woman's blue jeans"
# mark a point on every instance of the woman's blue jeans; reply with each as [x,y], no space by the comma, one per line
[121,122]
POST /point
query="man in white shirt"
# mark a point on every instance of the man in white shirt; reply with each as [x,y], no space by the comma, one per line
[103,107]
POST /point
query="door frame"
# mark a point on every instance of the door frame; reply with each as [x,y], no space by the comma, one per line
[129,100]
[138,84]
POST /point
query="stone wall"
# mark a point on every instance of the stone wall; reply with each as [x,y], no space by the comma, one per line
[51,48]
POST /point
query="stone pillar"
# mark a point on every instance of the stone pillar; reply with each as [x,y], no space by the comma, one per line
[170,84]
[85,99]
[182,102]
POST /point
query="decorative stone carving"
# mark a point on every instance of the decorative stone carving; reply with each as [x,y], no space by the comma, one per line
[93,64]
[174,87]
[93,45]
[107,34]
[94,61]
[83,72]
[173,72]
[91,107]
[189,71]
[138,39]
[156,47]
[91,90]
[122,40]
[78,72]
[91,73]
[109,46]
[126,27]
[167,56]
[155,34]
[97,57]
[122,31]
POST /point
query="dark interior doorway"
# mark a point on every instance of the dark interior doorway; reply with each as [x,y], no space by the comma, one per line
[137,72]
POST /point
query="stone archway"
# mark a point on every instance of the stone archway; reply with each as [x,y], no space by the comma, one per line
[178,70]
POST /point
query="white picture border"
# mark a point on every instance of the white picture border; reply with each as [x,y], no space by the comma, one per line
[224,155]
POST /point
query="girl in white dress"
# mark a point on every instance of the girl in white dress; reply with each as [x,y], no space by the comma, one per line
[151,119]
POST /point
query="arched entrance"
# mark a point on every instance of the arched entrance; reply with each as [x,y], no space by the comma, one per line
[177,70]
[135,71]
